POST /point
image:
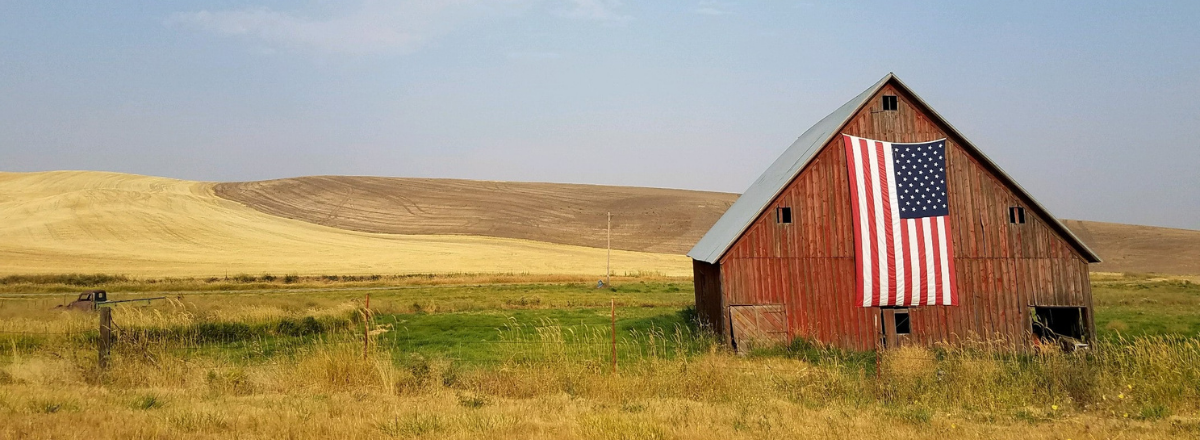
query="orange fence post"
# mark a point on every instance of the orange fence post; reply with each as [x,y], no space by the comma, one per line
[367,327]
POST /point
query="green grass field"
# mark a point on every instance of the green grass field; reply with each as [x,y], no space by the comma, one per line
[468,356]
[1140,305]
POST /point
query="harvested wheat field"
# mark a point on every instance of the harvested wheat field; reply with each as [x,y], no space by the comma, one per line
[644,219]
[72,221]
[79,221]
[1133,248]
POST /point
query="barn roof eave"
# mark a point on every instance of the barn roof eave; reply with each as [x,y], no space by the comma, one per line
[750,205]
[1054,222]
[775,179]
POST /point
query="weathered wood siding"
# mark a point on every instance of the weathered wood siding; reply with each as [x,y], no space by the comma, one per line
[808,265]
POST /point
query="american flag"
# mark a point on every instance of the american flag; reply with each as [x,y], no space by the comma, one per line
[903,255]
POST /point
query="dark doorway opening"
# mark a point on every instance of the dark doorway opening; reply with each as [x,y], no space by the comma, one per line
[1066,326]
[902,324]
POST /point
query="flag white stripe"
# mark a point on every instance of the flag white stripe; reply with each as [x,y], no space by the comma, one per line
[864,230]
[944,255]
[927,238]
[894,206]
[877,199]
[915,292]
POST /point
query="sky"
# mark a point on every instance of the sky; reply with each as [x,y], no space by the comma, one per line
[1093,106]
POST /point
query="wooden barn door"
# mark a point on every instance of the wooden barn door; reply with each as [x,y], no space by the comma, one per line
[757,326]
[895,327]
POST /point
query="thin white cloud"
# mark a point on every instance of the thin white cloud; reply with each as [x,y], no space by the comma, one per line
[711,8]
[533,55]
[599,10]
[371,27]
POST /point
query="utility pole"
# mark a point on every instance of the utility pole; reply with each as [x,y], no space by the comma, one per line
[608,258]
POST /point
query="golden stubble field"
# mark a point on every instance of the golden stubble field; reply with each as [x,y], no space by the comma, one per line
[92,222]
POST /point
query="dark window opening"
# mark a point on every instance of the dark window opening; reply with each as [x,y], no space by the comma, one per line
[1016,215]
[783,215]
[890,103]
[1065,326]
[903,325]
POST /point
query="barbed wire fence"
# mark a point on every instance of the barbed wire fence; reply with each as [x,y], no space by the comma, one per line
[514,343]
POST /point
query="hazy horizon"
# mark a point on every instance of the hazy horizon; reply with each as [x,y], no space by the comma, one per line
[1092,107]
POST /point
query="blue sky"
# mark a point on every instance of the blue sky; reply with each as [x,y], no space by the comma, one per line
[1093,106]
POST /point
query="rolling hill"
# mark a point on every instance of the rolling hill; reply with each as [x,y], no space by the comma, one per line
[644,219]
[80,221]
[1133,248]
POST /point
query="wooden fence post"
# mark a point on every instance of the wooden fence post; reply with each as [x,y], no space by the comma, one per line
[105,336]
[367,327]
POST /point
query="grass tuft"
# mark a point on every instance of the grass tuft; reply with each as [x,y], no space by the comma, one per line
[147,402]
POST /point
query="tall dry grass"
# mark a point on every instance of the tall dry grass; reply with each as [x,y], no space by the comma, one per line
[557,383]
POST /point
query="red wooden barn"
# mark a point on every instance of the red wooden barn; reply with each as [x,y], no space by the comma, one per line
[780,263]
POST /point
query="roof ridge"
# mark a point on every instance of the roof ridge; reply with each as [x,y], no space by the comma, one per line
[738,218]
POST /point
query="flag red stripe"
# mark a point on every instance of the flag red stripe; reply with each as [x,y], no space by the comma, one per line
[937,264]
[872,233]
[924,277]
[950,259]
[859,289]
[906,259]
[889,252]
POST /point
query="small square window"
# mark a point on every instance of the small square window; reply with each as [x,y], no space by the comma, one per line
[890,103]
[783,215]
[1016,215]
[903,325]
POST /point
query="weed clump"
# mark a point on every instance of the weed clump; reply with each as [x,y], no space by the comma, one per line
[307,326]
[147,402]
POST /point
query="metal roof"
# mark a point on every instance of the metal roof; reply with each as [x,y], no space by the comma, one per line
[751,204]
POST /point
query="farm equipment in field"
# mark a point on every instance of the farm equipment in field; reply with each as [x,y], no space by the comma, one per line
[97,299]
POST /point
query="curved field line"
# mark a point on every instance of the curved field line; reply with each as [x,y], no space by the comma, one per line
[76,221]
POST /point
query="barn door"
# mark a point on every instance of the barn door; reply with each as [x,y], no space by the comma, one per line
[895,327]
[757,326]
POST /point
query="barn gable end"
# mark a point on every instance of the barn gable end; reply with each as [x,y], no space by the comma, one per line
[806,267]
